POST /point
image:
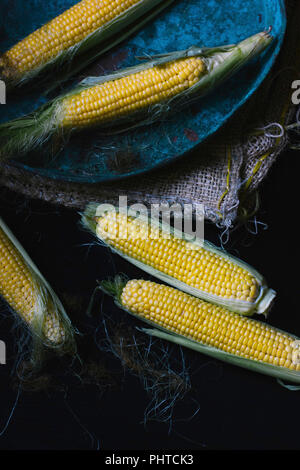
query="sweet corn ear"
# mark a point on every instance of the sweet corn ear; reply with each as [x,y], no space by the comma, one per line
[196,267]
[209,328]
[115,99]
[76,27]
[130,97]
[29,295]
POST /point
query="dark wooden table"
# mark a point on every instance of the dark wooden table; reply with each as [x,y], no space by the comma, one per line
[238,409]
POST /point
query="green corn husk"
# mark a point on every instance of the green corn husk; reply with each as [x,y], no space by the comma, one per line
[261,304]
[30,132]
[45,298]
[115,287]
[74,59]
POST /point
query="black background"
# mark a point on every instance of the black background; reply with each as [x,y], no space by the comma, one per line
[238,409]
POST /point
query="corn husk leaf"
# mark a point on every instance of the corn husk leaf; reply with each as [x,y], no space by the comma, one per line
[278,372]
[262,303]
[25,134]
[115,287]
[77,57]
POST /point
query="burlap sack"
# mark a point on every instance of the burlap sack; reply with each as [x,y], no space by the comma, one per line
[222,174]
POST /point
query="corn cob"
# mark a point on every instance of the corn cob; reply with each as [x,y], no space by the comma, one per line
[197,267]
[30,296]
[208,328]
[112,100]
[135,96]
[87,24]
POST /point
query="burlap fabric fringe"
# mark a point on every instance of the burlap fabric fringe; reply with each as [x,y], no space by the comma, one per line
[223,174]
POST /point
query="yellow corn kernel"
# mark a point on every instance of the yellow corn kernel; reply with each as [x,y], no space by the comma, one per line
[61,33]
[23,294]
[123,96]
[198,268]
[212,325]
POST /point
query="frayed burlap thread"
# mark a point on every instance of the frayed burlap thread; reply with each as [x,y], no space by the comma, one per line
[222,174]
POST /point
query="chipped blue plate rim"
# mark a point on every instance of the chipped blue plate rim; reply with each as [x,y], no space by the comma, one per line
[90,158]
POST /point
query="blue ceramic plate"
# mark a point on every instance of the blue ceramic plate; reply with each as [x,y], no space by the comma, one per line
[186,23]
